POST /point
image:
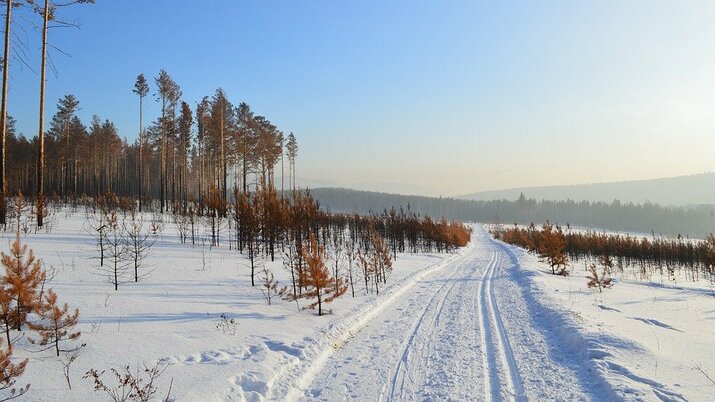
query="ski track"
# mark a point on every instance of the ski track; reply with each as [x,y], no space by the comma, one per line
[492,327]
[446,339]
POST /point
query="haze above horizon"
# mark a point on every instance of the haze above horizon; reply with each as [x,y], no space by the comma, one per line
[436,98]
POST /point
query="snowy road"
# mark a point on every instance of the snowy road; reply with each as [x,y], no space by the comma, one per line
[464,332]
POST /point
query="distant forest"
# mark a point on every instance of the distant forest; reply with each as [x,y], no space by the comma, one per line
[682,190]
[693,221]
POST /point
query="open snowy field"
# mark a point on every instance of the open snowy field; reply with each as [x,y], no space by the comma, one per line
[174,316]
[486,322]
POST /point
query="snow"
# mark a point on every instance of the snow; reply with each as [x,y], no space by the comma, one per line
[641,340]
[487,322]
[171,317]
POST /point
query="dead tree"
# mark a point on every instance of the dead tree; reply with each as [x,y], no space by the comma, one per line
[138,243]
[116,248]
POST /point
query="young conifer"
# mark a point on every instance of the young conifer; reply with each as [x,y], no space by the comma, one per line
[9,372]
[56,324]
[22,280]
[318,281]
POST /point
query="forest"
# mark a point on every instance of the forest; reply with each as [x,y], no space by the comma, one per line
[648,218]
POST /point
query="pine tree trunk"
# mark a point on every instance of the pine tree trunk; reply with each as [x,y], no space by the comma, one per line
[7,333]
[141,154]
[162,168]
[224,193]
[41,133]
[320,304]
[3,114]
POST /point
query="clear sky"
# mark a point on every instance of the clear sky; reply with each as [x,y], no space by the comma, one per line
[439,97]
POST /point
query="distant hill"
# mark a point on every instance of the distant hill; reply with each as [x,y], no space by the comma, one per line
[681,190]
[695,221]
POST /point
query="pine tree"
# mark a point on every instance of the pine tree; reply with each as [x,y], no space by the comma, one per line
[6,314]
[552,250]
[186,120]
[320,285]
[169,93]
[60,133]
[292,153]
[269,286]
[245,141]
[9,372]
[41,132]
[56,324]
[22,280]
[3,112]
[141,88]
[48,13]
[222,119]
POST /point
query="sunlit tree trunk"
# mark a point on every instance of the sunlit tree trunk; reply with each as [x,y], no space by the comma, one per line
[41,132]
[3,113]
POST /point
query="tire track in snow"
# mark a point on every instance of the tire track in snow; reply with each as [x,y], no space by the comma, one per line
[492,327]
[297,381]
[446,339]
[401,371]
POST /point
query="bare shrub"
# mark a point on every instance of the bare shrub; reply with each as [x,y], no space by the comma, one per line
[131,386]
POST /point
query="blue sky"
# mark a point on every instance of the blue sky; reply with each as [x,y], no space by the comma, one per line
[439,97]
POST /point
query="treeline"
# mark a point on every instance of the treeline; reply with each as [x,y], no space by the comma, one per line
[181,155]
[647,255]
[695,221]
[325,253]
[266,222]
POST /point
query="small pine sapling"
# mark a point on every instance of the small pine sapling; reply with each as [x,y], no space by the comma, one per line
[9,372]
[269,286]
[56,325]
[602,280]
[22,280]
[20,212]
[552,250]
[319,283]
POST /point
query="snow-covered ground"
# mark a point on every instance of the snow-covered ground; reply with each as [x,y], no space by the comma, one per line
[485,323]
[643,339]
[172,316]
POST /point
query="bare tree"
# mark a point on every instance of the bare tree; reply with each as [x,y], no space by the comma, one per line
[48,12]
[117,250]
[139,242]
[3,111]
